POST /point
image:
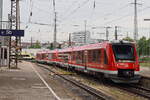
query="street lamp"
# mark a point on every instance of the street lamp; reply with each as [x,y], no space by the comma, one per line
[107,32]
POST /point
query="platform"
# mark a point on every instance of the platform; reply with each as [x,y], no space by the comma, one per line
[27,83]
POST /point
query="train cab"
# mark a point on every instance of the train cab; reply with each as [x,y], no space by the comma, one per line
[125,62]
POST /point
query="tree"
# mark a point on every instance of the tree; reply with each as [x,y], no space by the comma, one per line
[51,47]
[128,39]
[143,46]
[36,45]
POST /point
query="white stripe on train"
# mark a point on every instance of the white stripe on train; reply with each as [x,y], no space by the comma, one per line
[91,69]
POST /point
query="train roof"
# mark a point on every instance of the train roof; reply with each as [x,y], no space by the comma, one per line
[65,50]
[90,46]
[121,41]
[94,46]
[86,47]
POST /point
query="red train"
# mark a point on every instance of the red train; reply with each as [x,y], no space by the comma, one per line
[117,61]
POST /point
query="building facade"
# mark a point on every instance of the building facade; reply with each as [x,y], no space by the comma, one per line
[80,38]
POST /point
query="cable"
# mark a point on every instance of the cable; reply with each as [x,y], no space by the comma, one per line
[75,10]
[40,23]
[41,9]
[115,11]
[31,7]
[92,13]
[122,17]
[68,9]
[30,13]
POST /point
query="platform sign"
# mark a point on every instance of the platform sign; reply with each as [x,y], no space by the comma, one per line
[7,32]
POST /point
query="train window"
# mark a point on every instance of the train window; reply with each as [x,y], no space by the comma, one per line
[73,56]
[67,56]
[89,56]
[79,57]
[98,54]
[105,57]
[49,56]
[123,52]
[53,56]
[94,56]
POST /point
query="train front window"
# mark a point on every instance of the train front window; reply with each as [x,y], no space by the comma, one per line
[123,52]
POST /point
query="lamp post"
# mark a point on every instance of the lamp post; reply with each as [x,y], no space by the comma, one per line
[107,32]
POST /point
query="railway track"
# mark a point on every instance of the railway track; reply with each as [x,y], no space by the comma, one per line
[135,89]
[145,77]
[99,95]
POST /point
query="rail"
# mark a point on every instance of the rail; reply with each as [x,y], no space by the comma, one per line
[92,91]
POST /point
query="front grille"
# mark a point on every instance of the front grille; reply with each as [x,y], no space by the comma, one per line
[125,73]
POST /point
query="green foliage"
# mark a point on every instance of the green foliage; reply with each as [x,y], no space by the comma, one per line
[147,59]
[51,47]
[36,45]
[128,39]
[143,47]
[146,64]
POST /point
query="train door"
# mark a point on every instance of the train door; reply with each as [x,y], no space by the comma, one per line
[104,59]
[4,50]
[85,56]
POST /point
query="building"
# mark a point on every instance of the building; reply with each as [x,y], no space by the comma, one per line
[79,38]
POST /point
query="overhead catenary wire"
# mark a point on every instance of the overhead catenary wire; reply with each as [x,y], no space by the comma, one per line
[32,5]
[125,16]
[112,20]
[68,8]
[94,5]
[75,10]
[30,14]
[92,13]
[116,10]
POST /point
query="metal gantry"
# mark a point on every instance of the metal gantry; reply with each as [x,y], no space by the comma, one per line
[14,42]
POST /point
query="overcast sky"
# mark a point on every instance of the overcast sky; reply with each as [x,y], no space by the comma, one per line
[74,12]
